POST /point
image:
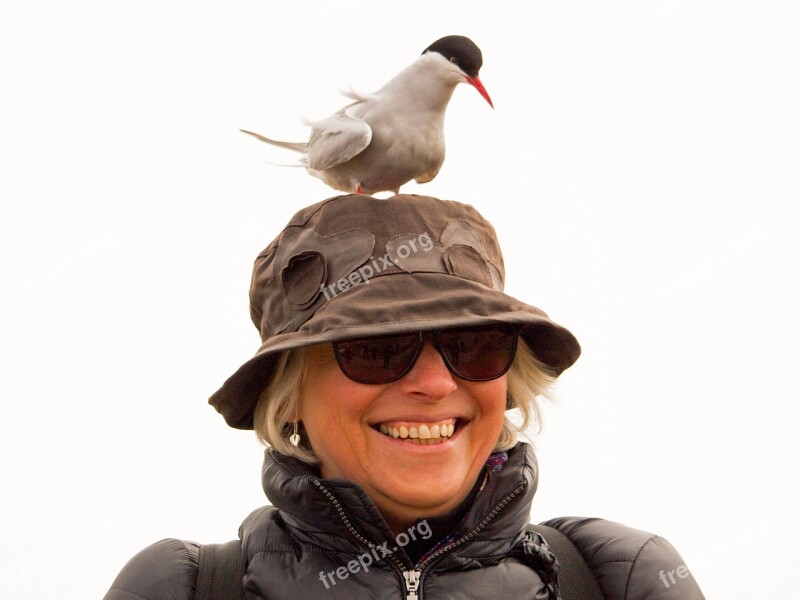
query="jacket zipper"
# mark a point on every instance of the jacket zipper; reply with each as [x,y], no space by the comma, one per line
[413,577]
[411,588]
[412,583]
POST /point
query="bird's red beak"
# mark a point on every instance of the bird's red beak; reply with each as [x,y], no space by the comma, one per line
[476,83]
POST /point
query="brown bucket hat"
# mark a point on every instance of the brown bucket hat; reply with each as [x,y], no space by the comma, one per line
[355,266]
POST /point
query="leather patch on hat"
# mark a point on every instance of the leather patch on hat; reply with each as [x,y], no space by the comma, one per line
[322,259]
[460,253]
[415,253]
[461,233]
[303,277]
[467,263]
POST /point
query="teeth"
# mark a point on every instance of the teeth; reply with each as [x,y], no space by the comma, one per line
[423,433]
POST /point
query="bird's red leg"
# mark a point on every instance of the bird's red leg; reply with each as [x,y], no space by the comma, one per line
[359,190]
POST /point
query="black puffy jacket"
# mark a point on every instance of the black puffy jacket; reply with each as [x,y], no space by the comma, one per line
[324,538]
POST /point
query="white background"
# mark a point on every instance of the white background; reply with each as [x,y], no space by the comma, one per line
[641,168]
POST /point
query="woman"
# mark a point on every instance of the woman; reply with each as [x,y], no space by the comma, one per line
[390,356]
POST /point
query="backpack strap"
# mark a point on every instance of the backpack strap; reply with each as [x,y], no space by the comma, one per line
[220,571]
[575,579]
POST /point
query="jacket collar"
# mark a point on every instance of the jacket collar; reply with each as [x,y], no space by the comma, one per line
[330,510]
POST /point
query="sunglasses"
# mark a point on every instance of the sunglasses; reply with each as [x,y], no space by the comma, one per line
[472,353]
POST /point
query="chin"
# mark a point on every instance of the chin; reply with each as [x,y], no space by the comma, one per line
[432,489]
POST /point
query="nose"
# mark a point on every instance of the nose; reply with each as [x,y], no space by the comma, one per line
[429,378]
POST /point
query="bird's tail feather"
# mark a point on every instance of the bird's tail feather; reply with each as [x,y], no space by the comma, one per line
[274,164]
[296,146]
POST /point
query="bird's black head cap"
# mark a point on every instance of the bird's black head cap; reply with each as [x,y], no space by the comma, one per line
[461,51]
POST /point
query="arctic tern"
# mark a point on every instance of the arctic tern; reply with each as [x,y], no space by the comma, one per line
[385,139]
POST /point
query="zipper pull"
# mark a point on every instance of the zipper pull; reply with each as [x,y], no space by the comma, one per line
[412,583]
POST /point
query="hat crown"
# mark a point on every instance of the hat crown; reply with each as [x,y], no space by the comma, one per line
[332,247]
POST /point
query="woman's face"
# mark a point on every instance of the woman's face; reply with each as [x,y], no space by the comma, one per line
[405,479]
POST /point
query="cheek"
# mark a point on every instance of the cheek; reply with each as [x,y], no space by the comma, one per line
[332,421]
[332,409]
[337,436]
[491,396]
[335,402]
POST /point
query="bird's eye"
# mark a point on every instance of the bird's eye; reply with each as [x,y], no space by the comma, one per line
[454,60]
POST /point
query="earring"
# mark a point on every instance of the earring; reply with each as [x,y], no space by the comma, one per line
[295,437]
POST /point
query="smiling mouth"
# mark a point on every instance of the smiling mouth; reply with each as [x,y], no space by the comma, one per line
[420,433]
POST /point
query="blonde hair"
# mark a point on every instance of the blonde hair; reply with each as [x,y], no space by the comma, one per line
[278,404]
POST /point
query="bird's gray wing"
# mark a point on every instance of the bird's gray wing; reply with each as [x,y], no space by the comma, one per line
[336,140]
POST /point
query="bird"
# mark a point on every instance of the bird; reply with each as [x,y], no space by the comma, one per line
[387,138]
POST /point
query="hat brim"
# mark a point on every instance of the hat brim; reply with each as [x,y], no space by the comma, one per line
[396,303]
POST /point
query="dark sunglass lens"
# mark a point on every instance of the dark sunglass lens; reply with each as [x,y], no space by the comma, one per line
[479,353]
[377,360]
